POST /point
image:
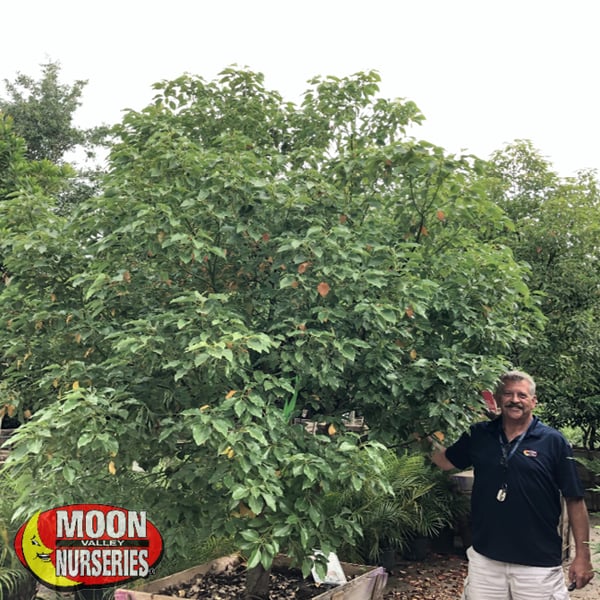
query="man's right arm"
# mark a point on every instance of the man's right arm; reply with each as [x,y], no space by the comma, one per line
[438,457]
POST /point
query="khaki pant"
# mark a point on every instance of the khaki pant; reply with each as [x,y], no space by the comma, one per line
[493,580]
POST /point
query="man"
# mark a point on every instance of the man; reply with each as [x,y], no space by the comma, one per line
[521,468]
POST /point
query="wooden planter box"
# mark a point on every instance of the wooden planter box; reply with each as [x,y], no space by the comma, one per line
[368,583]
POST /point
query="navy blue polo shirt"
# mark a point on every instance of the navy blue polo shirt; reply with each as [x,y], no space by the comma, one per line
[524,528]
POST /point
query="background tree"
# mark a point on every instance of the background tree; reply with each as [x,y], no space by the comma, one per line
[556,231]
[250,259]
[42,114]
[18,175]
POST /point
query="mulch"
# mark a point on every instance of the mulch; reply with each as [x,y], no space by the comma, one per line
[437,577]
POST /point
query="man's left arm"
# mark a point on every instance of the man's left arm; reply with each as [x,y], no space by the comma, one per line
[580,570]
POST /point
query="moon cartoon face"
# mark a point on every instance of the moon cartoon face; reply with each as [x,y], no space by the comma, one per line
[88,546]
[38,557]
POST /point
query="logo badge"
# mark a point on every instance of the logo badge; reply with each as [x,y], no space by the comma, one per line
[530,453]
[88,546]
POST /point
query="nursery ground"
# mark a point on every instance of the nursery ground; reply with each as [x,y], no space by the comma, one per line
[441,577]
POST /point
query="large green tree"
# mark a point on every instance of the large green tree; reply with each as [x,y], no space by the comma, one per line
[249,259]
[557,232]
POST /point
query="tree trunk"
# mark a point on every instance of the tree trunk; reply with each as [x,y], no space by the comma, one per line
[257,583]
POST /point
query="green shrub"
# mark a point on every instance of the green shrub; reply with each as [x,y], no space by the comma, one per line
[15,582]
[421,503]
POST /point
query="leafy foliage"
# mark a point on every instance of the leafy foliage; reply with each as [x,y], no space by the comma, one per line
[42,112]
[15,582]
[557,231]
[418,503]
[246,252]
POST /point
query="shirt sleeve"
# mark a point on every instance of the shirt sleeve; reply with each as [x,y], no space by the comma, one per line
[459,453]
[568,479]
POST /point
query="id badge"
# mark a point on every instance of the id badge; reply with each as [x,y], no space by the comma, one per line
[501,495]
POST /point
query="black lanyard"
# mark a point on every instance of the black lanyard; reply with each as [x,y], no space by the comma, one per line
[506,456]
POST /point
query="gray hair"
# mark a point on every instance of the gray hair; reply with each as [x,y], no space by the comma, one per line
[514,376]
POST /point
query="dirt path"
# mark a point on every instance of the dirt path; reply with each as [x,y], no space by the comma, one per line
[440,577]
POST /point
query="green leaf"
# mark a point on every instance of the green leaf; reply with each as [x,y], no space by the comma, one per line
[200,433]
[250,535]
[96,285]
[239,492]
[254,559]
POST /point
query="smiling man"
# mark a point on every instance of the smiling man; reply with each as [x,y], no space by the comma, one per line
[521,469]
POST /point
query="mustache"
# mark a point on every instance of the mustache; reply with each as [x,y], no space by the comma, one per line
[513,405]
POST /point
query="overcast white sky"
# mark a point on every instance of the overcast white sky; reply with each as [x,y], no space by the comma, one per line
[483,72]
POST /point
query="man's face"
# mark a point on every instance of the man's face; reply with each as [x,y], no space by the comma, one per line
[516,401]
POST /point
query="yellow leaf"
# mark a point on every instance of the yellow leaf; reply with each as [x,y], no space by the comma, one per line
[111,468]
[413,354]
[228,452]
[69,319]
[439,436]
[203,408]
[55,383]
[78,337]
[76,385]
[331,430]
[230,394]
[27,414]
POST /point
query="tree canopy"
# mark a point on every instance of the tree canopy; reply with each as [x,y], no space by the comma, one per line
[557,232]
[250,259]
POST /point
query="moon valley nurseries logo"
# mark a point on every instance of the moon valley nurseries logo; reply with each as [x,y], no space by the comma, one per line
[88,545]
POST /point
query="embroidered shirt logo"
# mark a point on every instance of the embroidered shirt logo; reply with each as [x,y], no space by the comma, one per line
[530,453]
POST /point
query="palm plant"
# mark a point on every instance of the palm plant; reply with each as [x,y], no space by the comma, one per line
[15,582]
[419,503]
